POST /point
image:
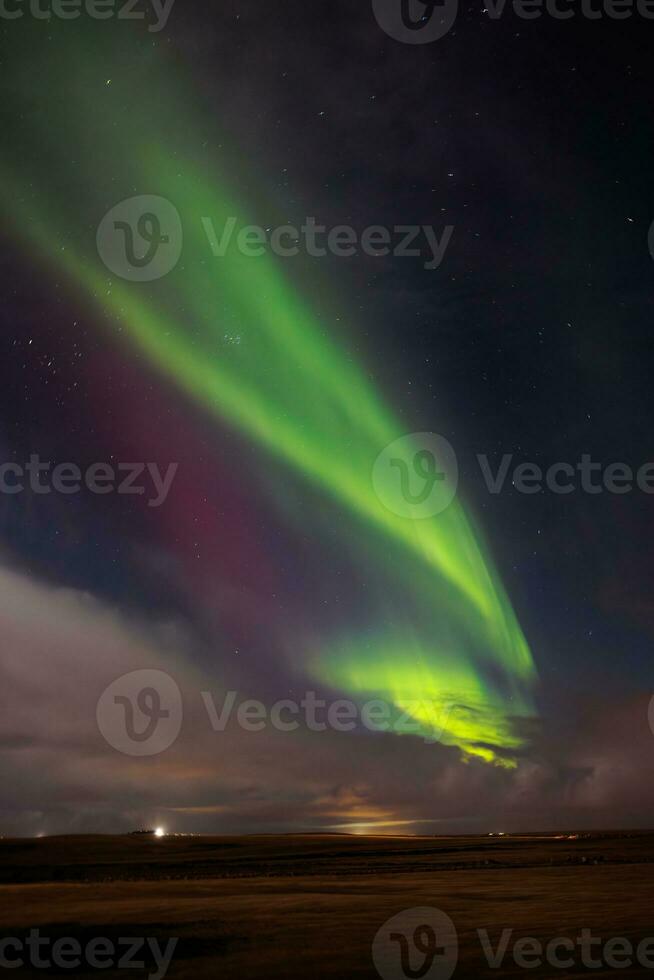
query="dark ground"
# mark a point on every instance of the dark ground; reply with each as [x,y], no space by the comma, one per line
[306,906]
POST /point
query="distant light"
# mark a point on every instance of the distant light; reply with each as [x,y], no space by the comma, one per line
[159,832]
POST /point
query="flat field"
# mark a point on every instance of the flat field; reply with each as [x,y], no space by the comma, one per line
[304,906]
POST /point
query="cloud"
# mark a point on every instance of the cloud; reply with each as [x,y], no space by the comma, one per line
[62,647]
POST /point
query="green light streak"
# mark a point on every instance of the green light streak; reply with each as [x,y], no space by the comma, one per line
[290,388]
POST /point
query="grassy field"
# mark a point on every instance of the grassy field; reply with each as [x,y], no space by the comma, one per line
[310,906]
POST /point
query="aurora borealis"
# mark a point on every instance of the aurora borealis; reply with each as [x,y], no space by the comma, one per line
[294,392]
[274,384]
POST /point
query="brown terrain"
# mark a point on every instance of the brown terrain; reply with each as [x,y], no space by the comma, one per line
[310,906]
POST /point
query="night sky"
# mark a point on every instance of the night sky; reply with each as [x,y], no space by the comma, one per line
[272,383]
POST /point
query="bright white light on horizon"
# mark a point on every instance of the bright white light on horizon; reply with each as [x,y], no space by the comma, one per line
[159,832]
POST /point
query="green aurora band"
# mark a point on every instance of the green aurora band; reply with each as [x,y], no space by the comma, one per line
[454,656]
